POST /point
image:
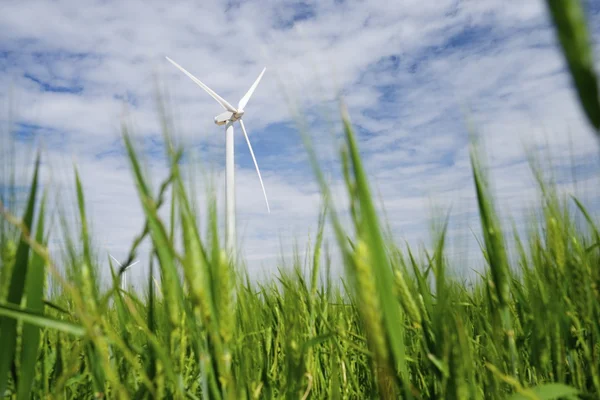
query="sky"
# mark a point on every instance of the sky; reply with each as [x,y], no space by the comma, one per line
[411,74]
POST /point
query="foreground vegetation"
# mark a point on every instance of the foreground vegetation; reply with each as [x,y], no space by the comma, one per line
[398,325]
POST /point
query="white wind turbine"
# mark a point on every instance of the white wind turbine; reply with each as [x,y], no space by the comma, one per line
[227,118]
[124,274]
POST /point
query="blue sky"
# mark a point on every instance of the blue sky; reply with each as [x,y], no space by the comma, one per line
[407,70]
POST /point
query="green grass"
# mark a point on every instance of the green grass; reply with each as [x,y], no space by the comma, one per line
[398,324]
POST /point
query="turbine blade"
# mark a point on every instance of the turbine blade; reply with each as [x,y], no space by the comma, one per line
[117,261]
[248,94]
[208,90]
[255,164]
[131,265]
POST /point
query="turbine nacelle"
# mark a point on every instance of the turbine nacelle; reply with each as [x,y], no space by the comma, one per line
[228,116]
[223,118]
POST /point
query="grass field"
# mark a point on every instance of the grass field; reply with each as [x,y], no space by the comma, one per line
[398,325]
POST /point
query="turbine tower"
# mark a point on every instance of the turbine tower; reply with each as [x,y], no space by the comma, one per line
[124,274]
[227,118]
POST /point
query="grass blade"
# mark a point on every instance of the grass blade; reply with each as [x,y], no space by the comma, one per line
[392,316]
[36,277]
[572,32]
[8,326]
[17,313]
[548,391]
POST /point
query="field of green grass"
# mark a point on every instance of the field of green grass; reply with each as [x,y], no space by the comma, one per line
[399,324]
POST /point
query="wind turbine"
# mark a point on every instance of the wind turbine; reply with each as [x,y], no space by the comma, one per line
[124,274]
[227,118]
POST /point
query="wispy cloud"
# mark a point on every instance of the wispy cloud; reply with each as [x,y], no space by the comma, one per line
[410,73]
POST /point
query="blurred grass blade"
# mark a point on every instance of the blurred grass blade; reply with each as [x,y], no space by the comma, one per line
[8,326]
[571,29]
[17,313]
[36,277]
[384,278]
[164,250]
[496,255]
[589,219]
[548,391]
